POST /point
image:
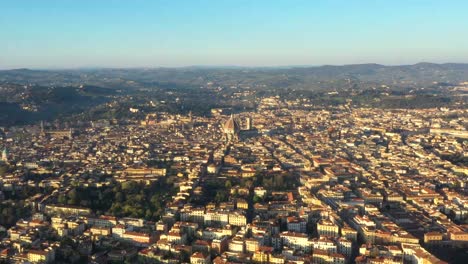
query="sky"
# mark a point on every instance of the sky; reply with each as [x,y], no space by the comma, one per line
[173,33]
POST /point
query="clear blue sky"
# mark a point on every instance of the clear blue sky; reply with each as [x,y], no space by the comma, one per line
[150,33]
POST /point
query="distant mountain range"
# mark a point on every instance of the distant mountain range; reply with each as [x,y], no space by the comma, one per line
[276,77]
[27,96]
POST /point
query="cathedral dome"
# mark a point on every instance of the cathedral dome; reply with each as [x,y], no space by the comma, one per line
[231,126]
[231,130]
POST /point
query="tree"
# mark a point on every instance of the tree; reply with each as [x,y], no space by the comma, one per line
[257,199]
[62,199]
[116,209]
[267,183]
[156,200]
[220,196]
[278,181]
[3,169]
[248,184]
[228,184]
[130,187]
[148,214]
[72,197]
[119,197]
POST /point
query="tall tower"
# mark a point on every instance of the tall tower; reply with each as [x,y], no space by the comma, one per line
[5,155]
[231,129]
[248,123]
[42,133]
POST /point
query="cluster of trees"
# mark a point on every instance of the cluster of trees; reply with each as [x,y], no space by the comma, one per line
[15,207]
[10,212]
[415,102]
[277,182]
[128,199]
[221,191]
[139,200]
[98,199]
[25,192]
[50,102]
[216,191]
[4,169]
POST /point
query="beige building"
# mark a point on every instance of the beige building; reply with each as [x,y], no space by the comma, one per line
[328,228]
[41,256]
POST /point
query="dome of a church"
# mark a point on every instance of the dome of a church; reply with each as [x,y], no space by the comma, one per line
[231,125]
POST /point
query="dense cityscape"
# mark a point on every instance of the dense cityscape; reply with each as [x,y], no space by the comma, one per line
[234,132]
[288,182]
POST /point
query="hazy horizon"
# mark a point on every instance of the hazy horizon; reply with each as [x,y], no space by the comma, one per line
[222,66]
